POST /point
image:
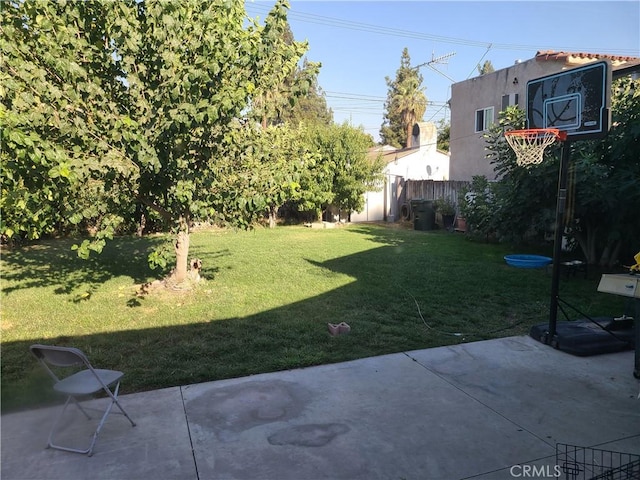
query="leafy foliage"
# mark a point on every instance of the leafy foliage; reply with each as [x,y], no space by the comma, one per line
[603,195]
[444,135]
[58,123]
[486,67]
[405,104]
[140,99]
[477,204]
[524,203]
[606,175]
[281,83]
[340,172]
[312,106]
[278,158]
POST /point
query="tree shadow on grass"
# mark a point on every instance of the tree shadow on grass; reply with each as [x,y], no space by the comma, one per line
[382,315]
[54,263]
[291,336]
[383,236]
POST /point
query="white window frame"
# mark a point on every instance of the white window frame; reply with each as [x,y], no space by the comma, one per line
[484,118]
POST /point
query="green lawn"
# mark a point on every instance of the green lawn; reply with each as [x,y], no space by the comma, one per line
[265,303]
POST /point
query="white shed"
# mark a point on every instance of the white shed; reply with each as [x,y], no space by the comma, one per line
[421,161]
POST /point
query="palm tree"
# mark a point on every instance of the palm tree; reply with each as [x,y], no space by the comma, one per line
[411,102]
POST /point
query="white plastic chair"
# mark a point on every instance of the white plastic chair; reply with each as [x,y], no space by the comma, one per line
[85,382]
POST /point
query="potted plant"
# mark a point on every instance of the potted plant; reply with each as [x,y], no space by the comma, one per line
[447,210]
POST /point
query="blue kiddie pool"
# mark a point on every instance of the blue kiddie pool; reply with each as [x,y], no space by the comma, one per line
[527,261]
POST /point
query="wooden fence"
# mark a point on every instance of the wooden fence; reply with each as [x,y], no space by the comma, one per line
[432,190]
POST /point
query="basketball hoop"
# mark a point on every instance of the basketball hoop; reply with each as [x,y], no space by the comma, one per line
[529,145]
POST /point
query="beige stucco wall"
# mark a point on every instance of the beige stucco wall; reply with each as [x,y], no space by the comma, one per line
[467,147]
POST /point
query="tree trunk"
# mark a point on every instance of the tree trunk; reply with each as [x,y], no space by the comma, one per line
[610,254]
[182,255]
[587,240]
[409,131]
[272,216]
[141,225]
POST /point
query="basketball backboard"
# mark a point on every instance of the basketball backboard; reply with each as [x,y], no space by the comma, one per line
[577,101]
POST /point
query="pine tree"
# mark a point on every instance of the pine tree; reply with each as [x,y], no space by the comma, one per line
[311,107]
[486,67]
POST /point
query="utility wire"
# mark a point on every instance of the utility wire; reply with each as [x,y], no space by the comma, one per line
[481,58]
[351,25]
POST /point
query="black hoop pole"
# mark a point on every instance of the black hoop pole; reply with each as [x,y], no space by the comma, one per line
[561,201]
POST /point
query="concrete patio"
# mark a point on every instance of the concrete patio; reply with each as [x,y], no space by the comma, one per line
[483,410]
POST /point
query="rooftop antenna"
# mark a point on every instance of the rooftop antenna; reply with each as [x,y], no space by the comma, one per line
[441,60]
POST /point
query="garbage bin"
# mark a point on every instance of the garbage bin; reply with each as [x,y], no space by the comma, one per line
[424,215]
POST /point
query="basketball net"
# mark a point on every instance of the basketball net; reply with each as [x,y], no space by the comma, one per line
[529,145]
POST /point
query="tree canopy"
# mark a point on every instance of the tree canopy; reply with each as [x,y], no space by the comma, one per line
[340,172]
[312,107]
[444,135]
[405,105]
[143,98]
[486,67]
[603,196]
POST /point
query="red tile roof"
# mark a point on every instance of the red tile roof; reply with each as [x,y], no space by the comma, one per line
[566,56]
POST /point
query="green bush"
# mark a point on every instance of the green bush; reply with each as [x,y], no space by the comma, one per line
[478,205]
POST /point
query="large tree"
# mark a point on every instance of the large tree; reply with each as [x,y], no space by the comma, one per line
[405,104]
[339,172]
[142,97]
[280,156]
[310,107]
[603,195]
[604,215]
[282,83]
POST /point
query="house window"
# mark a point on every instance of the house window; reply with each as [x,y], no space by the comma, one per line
[484,119]
[508,100]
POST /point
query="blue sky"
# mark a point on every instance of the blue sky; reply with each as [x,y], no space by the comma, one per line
[359,43]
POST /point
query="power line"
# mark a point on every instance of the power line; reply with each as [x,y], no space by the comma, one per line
[351,25]
[354,96]
[371,98]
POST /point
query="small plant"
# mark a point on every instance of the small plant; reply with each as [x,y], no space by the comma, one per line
[444,206]
[478,206]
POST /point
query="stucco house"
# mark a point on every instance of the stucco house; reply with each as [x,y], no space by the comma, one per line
[476,102]
[420,161]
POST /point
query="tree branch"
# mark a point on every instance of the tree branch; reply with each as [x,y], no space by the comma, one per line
[165,214]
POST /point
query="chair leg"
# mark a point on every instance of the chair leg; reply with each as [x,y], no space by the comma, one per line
[114,401]
[114,398]
[89,450]
[97,432]
[54,428]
